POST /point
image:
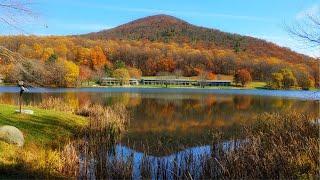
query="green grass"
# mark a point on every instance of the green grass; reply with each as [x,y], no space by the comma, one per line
[44,126]
[252,85]
[257,85]
[90,84]
[46,133]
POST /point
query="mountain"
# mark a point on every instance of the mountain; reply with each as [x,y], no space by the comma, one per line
[164,28]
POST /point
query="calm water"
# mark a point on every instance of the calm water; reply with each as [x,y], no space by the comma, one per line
[172,121]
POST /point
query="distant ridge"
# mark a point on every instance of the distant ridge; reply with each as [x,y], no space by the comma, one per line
[165,28]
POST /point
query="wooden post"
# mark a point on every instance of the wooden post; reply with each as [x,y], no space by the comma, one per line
[20,103]
[22,89]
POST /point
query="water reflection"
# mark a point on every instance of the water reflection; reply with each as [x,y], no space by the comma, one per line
[171,122]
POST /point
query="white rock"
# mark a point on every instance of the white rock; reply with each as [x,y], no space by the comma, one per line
[11,135]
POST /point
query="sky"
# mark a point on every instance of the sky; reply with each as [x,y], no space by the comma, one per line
[265,19]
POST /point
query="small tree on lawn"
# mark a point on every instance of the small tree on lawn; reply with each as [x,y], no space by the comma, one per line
[122,75]
[135,73]
[276,81]
[289,80]
[243,77]
[304,80]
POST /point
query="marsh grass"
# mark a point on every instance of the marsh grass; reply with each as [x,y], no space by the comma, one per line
[92,147]
[46,155]
[276,146]
[56,104]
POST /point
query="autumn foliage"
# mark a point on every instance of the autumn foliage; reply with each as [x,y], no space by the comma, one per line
[243,77]
[97,58]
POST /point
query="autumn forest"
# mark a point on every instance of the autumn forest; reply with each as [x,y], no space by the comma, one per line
[168,45]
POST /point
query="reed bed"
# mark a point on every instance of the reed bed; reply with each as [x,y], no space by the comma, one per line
[86,154]
[95,144]
[277,145]
[56,104]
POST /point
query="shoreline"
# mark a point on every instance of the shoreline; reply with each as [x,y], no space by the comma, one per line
[295,94]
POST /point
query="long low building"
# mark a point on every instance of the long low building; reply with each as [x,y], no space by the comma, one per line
[185,82]
[180,82]
[108,81]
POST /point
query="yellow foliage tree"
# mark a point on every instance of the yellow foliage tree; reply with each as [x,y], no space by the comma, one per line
[47,52]
[37,50]
[122,75]
[135,73]
[61,50]
[71,72]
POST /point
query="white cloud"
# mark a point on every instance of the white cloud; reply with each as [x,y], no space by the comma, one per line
[313,10]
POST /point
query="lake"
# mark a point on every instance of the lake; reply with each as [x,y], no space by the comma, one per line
[170,122]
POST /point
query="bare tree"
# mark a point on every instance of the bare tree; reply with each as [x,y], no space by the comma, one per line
[307,30]
[15,12]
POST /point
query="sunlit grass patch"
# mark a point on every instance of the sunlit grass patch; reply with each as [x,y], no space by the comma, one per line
[45,132]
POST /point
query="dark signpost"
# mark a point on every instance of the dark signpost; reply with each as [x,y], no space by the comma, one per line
[22,90]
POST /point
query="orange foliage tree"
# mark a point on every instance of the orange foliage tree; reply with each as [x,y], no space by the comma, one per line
[242,76]
[85,74]
[97,57]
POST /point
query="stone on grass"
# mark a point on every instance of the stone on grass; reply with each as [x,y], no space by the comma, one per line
[25,111]
[11,135]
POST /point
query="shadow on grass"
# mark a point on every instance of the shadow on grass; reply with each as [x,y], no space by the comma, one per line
[17,171]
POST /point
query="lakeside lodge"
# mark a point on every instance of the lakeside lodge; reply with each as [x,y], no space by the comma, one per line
[180,82]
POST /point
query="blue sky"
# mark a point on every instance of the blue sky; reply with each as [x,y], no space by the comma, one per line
[265,19]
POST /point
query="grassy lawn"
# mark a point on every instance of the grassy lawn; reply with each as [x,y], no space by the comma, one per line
[42,127]
[44,132]
[257,85]
[251,85]
[90,84]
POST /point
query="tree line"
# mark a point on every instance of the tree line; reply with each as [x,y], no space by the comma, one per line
[67,61]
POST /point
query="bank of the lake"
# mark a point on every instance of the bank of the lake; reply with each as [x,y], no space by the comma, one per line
[297,150]
[44,131]
[296,94]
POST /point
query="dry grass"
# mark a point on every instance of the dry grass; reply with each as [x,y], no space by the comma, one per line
[56,104]
[62,159]
[276,146]
[97,141]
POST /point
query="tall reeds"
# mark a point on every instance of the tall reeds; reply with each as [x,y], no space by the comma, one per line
[277,145]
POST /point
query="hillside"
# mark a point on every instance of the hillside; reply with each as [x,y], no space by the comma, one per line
[152,46]
[164,28]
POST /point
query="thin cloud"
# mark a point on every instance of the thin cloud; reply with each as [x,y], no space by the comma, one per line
[182,13]
[313,10]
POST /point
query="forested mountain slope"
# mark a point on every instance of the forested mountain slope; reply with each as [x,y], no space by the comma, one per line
[164,28]
[152,46]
